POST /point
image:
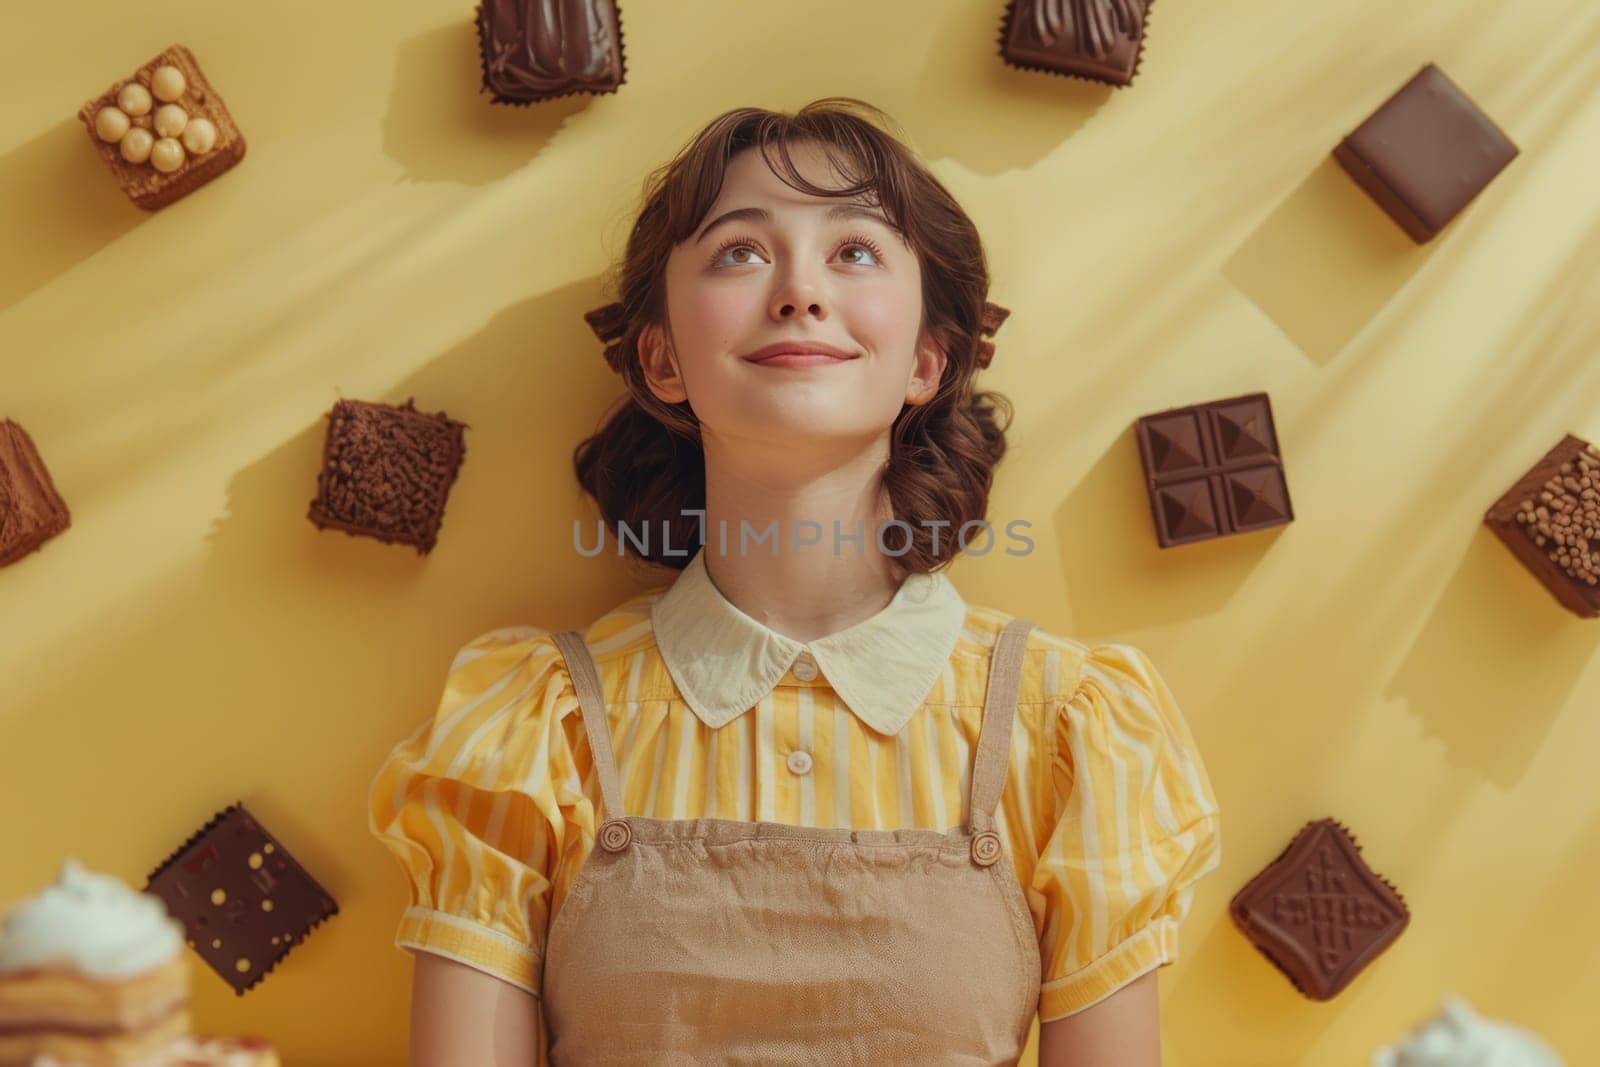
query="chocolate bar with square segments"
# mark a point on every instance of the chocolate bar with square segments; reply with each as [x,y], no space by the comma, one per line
[1213,469]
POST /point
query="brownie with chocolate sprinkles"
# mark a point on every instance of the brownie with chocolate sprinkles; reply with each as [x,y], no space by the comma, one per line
[386,472]
[243,900]
[31,511]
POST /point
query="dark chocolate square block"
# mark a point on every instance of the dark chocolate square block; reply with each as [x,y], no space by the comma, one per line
[204,155]
[1095,40]
[31,511]
[1425,153]
[1550,520]
[387,471]
[1213,469]
[1318,912]
[533,50]
[243,900]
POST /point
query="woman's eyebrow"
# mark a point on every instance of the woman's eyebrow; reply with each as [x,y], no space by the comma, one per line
[761,214]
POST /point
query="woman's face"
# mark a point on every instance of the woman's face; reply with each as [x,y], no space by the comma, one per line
[773,266]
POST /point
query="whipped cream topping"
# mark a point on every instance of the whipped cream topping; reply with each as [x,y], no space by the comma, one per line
[1459,1037]
[92,923]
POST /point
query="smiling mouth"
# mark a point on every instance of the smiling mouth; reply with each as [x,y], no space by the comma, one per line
[800,359]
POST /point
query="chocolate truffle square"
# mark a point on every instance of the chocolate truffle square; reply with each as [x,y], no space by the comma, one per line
[1213,469]
[165,131]
[1425,153]
[31,511]
[533,50]
[1095,40]
[1318,912]
[386,472]
[244,901]
[1550,519]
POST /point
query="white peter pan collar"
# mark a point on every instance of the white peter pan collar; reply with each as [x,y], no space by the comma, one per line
[724,661]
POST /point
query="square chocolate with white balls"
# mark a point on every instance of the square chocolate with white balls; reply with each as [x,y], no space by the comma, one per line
[1213,469]
[386,472]
[243,900]
[165,131]
[1318,912]
[1550,519]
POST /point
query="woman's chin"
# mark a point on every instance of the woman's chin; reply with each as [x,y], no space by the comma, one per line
[793,425]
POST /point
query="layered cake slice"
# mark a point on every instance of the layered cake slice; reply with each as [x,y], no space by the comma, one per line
[90,973]
[94,974]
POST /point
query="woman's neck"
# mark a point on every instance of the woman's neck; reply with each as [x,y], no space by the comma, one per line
[807,591]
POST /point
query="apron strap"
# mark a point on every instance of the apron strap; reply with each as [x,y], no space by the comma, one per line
[586,678]
[994,732]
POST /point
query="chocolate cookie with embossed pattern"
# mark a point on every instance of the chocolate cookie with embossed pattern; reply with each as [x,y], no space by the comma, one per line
[1318,912]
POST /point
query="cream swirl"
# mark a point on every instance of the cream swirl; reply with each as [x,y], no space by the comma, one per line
[91,922]
[1459,1037]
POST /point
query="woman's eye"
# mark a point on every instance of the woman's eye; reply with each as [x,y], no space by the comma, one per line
[740,256]
[741,253]
[861,248]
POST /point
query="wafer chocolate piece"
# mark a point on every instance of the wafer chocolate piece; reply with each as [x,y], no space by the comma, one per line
[243,899]
[1318,912]
[31,511]
[1550,520]
[1096,40]
[1213,469]
[1425,153]
[165,131]
[387,471]
[533,50]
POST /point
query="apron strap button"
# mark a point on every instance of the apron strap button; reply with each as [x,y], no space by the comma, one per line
[615,835]
[985,848]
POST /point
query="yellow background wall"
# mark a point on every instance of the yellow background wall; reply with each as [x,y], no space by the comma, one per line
[193,640]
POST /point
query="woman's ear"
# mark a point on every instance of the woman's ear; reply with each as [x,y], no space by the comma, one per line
[927,370]
[660,365]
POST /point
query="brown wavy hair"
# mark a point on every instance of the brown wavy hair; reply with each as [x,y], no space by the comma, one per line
[646,466]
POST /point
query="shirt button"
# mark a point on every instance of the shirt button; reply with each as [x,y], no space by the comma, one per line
[800,761]
[805,668]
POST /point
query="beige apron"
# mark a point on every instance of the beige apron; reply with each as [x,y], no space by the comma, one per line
[690,941]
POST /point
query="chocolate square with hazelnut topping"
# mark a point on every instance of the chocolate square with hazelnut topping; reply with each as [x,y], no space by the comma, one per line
[1550,519]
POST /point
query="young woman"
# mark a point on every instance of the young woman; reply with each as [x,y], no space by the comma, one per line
[802,803]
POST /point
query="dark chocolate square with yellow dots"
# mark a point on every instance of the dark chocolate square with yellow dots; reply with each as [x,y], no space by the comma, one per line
[244,901]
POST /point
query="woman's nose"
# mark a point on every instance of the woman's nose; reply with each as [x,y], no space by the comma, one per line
[797,294]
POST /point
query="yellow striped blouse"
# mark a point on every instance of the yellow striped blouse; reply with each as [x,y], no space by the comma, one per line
[1107,816]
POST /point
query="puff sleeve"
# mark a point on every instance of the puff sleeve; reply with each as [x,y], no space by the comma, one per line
[474,805]
[1136,825]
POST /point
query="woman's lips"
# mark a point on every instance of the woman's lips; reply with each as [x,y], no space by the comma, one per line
[799,359]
